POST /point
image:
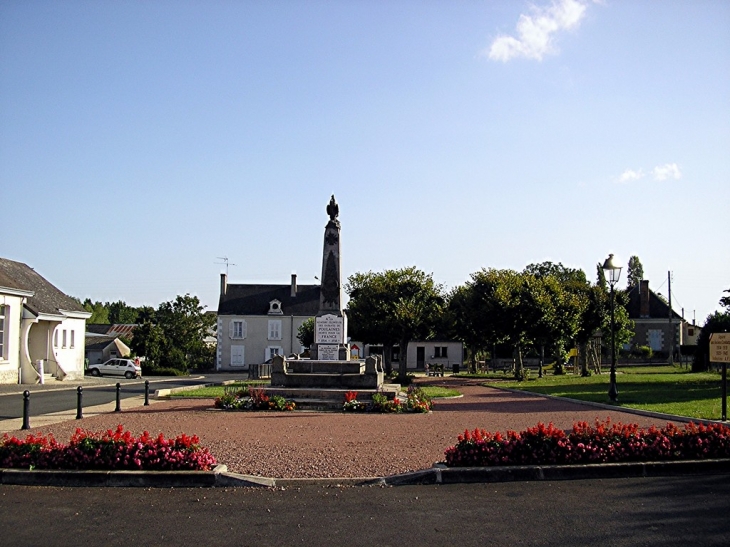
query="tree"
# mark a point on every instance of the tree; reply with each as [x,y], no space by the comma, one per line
[715,322]
[635,272]
[99,312]
[120,313]
[462,325]
[396,305]
[174,335]
[493,306]
[365,313]
[305,333]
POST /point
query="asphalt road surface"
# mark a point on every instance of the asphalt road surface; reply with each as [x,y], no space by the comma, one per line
[49,399]
[617,512]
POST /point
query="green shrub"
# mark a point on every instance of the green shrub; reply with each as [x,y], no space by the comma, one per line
[162,371]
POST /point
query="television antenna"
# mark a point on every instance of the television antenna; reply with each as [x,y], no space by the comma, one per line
[225,261]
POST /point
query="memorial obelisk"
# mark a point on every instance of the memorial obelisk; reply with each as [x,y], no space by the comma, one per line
[330,324]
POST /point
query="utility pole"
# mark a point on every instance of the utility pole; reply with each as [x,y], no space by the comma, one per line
[671,327]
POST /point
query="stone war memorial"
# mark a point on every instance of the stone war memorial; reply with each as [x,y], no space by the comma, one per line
[322,380]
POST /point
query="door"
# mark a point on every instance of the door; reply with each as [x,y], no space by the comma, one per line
[420,357]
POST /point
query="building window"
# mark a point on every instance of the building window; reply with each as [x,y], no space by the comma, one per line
[55,338]
[275,308]
[273,350]
[72,338]
[655,339]
[238,329]
[440,351]
[63,339]
[2,332]
[395,354]
[274,329]
[237,356]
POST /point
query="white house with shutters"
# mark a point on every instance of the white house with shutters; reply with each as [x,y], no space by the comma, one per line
[41,328]
[256,322]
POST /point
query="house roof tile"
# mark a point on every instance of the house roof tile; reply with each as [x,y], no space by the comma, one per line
[46,298]
[254,300]
[658,307]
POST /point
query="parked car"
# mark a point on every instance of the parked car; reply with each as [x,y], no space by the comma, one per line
[116,367]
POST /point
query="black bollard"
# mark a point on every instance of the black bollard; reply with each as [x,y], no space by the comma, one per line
[26,410]
[146,393]
[119,399]
[79,406]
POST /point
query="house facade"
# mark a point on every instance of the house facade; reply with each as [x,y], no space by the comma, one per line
[256,322]
[419,354]
[41,328]
[655,325]
[99,349]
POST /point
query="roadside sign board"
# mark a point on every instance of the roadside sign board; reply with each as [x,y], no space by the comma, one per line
[720,347]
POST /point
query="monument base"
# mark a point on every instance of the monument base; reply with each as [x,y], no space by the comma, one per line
[306,373]
[329,398]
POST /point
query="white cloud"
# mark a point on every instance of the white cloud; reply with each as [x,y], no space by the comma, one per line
[536,32]
[666,171]
[659,173]
[630,175]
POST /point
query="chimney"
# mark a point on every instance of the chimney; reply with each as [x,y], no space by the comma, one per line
[224,284]
[293,285]
[644,298]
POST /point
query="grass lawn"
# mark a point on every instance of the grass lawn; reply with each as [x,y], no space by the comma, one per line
[437,391]
[211,392]
[667,389]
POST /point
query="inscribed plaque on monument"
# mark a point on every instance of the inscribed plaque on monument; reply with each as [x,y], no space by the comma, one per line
[328,352]
[329,329]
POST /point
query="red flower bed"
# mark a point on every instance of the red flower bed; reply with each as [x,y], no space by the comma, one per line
[601,443]
[109,450]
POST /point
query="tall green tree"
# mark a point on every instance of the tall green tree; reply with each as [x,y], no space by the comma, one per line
[121,313]
[99,312]
[398,305]
[635,272]
[305,333]
[718,321]
[461,309]
[174,335]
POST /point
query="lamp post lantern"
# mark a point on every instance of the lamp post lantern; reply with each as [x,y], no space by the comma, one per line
[612,267]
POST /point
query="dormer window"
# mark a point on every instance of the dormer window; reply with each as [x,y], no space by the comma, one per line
[275,308]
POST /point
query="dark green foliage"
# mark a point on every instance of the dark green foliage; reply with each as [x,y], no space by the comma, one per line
[635,272]
[174,335]
[716,322]
[305,333]
[547,305]
[395,306]
[107,313]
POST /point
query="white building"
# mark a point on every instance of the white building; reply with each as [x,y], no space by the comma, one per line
[256,322]
[41,328]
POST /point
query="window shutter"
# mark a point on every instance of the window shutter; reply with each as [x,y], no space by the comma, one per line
[230,329]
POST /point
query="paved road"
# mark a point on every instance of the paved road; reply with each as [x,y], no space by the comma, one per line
[617,512]
[57,401]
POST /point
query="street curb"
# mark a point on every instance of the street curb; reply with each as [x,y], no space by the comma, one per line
[438,474]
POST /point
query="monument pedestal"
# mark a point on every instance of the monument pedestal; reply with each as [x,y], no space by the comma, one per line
[316,384]
[329,371]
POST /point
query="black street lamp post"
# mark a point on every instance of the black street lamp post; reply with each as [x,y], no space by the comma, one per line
[613,267]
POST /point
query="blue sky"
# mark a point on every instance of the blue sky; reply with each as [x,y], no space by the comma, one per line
[140,141]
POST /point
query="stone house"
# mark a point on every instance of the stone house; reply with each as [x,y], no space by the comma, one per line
[256,322]
[654,325]
[41,328]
